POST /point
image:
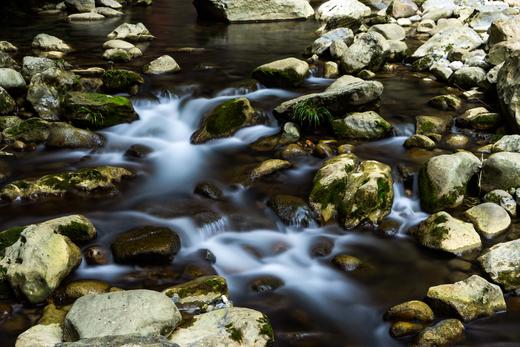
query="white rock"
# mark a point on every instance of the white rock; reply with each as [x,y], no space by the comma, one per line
[342,8]
[161,65]
[40,336]
[46,42]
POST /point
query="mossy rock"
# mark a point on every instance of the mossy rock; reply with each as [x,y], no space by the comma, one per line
[225,120]
[7,103]
[53,315]
[83,181]
[286,73]
[199,293]
[96,111]
[9,122]
[119,80]
[32,130]
[362,125]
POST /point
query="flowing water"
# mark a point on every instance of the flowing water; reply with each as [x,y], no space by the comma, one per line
[316,305]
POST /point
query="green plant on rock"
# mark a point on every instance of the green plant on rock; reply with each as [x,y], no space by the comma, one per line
[93,117]
[308,114]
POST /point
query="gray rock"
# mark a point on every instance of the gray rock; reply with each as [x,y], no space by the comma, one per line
[441,71]
[7,62]
[342,8]
[501,171]
[397,50]
[322,44]
[11,79]
[7,47]
[502,263]
[390,31]
[501,51]
[504,30]
[140,311]
[469,77]
[118,44]
[40,335]
[289,72]
[507,143]
[63,135]
[122,55]
[163,64]
[7,103]
[81,5]
[369,51]
[133,340]
[502,198]
[489,219]
[34,65]
[362,125]
[508,89]
[131,32]
[108,12]
[46,42]
[403,8]
[419,141]
[109,3]
[85,17]
[448,39]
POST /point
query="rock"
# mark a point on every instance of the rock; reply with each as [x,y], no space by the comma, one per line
[40,335]
[81,5]
[333,9]
[492,75]
[7,103]
[63,135]
[122,55]
[458,37]
[208,190]
[148,244]
[269,167]
[344,95]
[85,17]
[96,255]
[97,111]
[469,77]
[501,51]
[426,26]
[446,102]
[443,180]
[11,79]
[479,118]
[118,44]
[140,311]
[401,329]
[397,50]
[502,263]
[390,31]
[507,143]
[34,65]
[425,125]
[38,261]
[46,42]
[7,47]
[33,130]
[410,311]
[489,218]
[330,69]
[246,11]
[340,35]
[7,62]
[501,171]
[419,141]
[285,73]
[108,12]
[109,3]
[47,91]
[75,290]
[133,340]
[502,198]
[119,80]
[472,298]
[504,30]
[402,8]
[227,327]
[445,333]
[365,125]
[161,65]
[346,262]
[353,190]
[508,89]
[225,120]
[369,51]
[456,141]
[199,295]
[82,181]
[292,210]
[131,32]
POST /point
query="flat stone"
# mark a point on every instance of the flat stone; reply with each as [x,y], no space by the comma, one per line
[489,219]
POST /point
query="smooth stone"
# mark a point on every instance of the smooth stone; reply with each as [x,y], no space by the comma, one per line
[285,73]
[504,199]
[413,310]
[162,65]
[489,219]
[447,332]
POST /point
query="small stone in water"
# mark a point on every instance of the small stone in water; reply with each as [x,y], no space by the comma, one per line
[346,262]
[95,255]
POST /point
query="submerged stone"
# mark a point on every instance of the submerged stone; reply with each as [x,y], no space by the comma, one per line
[292,210]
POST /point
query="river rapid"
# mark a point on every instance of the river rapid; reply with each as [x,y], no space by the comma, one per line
[316,305]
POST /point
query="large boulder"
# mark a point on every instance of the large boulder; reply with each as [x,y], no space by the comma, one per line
[470,299]
[333,9]
[443,180]
[502,263]
[225,120]
[451,38]
[369,51]
[34,65]
[32,130]
[346,94]
[362,125]
[246,11]
[141,311]
[508,89]
[95,111]
[38,261]
[226,327]
[489,218]
[443,232]
[501,171]
[45,42]
[352,190]
[83,181]
[11,79]
[63,135]
[285,73]
[131,32]
[507,29]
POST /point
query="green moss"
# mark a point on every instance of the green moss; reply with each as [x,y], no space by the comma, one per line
[331,194]
[9,237]
[383,189]
[266,328]
[119,80]
[430,201]
[200,286]
[277,78]
[227,116]
[234,333]
[31,130]
[76,231]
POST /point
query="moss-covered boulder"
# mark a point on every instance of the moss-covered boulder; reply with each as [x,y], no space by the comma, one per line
[419,141]
[199,295]
[285,73]
[121,81]
[443,180]
[7,103]
[479,118]
[225,120]
[502,263]
[501,171]
[443,232]
[292,210]
[426,124]
[362,125]
[447,332]
[32,130]
[352,190]
[96,111]
[63,135]
[447,102]
[103,179]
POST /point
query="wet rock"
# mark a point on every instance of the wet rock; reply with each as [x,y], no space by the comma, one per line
[148,244]
[294,151]
[502,263]
[426,125]
[502,198]
[469,77]
[501,171]
[456,141]
[501,51]
[446,102]
[266,284]
[397,50]
[401,329]
[346,262]
[80,5]
[225,120]
[489,219]
[443,232]
[122,55]
[118,44]
[337,36]
[444,178]
[141,311]
[85,17]
[109,3]
[353,190]
[7,47]
[402,8]
[96,255]
[330,70]
[507,143]
[199,295]
[75,290]
[47,42]
[364,125]
[131,32]
[334,9]
[7,62]
[246,11]
[472,298]
[7,103]
[284,73]
[11,79]
[82,181]
[121,81]
[445,333]
[230,326]
[419,141]
[508,89]
[292,210]
[208,190]
[454,37]
[95,111]
[121,341]
[369,51]
[390,31]
[40,335]
[32,130]
[38,261]
[63,135]
[504,30]
[269,167]
[108,12]
[479,118]
[344,95]
[34,65]
[410,311]
[163,64]
[138,151]
[53,315]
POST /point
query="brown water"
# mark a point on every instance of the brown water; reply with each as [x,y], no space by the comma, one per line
[317,305]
